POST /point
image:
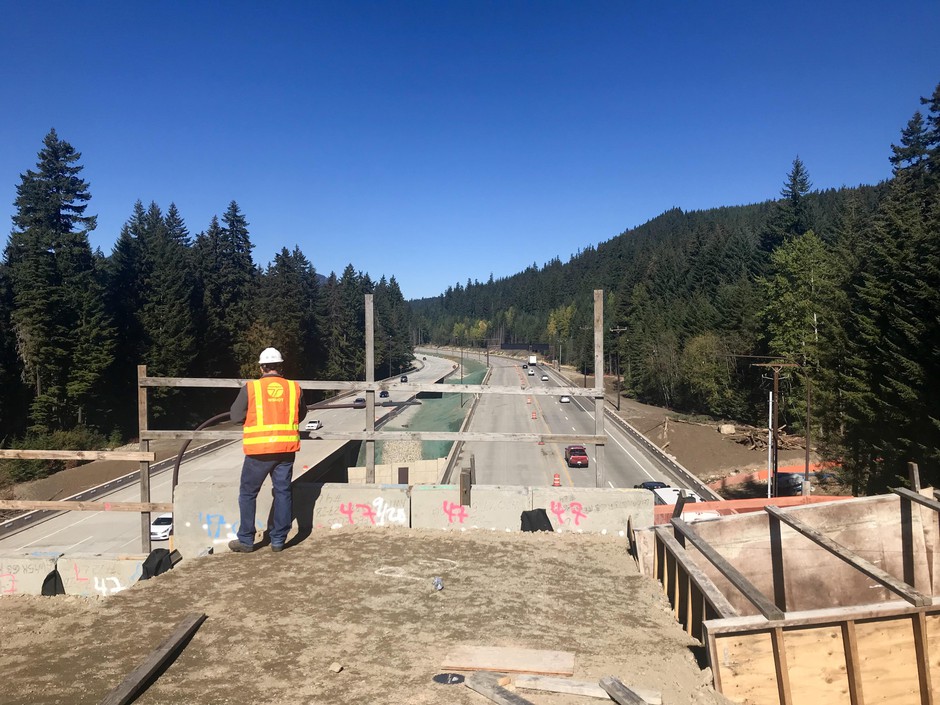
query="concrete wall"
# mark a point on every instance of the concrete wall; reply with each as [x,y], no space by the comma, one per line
[24,573]
[98,574]
[420,472]
[594,510]
[491,507]
[206,513]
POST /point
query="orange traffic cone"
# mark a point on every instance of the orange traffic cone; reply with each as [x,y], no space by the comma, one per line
[533,414]
[528,400]
[557,481]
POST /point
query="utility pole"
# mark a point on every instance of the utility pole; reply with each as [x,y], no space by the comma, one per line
[776,367]
[618,331]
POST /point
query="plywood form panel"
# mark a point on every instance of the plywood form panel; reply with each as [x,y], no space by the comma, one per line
[933,652]
[817,666]
[745,667]
[888,663]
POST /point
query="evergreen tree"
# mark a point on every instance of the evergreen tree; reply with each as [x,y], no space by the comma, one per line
[792,217]
[64,338]
[227,279]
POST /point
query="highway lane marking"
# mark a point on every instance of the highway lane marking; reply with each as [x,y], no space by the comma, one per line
[631,456]
[69,526]
[75,544]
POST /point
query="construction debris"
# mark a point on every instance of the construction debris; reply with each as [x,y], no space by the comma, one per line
[336,667]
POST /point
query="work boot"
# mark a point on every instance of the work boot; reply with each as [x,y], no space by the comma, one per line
[239,547]
[277,548]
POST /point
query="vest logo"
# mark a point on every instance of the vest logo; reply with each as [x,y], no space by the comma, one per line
[275,392]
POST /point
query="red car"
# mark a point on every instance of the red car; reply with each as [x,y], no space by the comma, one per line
[576,456]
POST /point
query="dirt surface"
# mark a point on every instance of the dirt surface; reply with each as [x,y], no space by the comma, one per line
[364,599]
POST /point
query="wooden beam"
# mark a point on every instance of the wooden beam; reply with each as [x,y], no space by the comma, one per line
[481,437]
[881,577]
[852,662]
[133,684]
[64,505]
[589,689]
[487,684]
[921,652]
[618,692]
[734,576]
[362,386]
[782,670]
[916,498]
[76,455]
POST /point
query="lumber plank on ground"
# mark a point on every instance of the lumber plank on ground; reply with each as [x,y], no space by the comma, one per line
[509,659]
[487,685]
[577,687]
[619,692]
[129,688]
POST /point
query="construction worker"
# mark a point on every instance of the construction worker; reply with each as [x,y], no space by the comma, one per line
[271,409]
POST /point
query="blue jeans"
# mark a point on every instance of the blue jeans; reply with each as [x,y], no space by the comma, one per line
[280,466]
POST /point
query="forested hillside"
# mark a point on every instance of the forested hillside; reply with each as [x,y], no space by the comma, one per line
[74,323]
[840,285]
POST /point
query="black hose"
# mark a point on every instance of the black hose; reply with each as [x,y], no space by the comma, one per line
[179,457]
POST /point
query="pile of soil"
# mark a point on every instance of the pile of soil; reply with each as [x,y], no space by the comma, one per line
[365,599]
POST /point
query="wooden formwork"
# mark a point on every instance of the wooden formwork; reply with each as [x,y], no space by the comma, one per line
[884,651]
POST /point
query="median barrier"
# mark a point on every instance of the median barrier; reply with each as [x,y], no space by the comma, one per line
[594,510]
[25,573]
[491,507]
[98,574]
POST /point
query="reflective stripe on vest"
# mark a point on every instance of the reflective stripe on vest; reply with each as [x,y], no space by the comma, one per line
[272,424]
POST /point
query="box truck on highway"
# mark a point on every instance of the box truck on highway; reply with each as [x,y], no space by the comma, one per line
[533,360]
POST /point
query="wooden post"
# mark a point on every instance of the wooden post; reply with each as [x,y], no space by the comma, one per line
[370,394]
[465,487]
[776,563]
[914,475]
[852,662]
[600,469]
[780,664]
[923,660]
[144,464]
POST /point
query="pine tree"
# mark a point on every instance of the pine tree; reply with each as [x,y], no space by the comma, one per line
[64,338]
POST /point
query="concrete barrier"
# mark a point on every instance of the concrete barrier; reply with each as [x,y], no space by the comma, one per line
[594,510]
[24,573]
[361,505]
[491,507]
[98,574]
[205,515]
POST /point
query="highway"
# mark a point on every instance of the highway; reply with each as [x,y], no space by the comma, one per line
[530,464]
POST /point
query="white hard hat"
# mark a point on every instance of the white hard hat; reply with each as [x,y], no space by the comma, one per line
[269,356]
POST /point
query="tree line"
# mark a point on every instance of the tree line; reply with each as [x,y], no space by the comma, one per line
[75,323]
[839,285]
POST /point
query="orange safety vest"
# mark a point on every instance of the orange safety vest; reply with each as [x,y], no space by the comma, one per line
[272,424]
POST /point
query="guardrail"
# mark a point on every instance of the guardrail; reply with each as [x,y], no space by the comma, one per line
[669,464]
[25,521]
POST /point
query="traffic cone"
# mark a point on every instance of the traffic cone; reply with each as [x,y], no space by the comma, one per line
[557,481]
[533,414]
[528,400]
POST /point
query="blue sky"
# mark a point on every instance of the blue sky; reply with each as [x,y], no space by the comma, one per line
[443,141]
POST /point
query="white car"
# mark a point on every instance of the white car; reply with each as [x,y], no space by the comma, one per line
[544,378]
[161,527]
[531,373]
[565,399]
[314,425]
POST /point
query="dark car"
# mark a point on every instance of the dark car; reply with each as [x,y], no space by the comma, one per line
[383,394]
[576,456]
[650,485]
[359,403]
[404,378]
